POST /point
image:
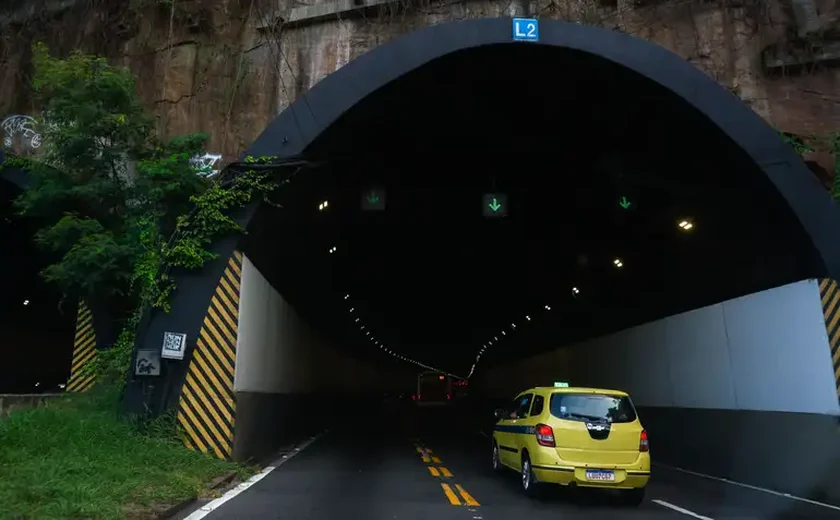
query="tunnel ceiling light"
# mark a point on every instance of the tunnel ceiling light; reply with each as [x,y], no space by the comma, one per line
[322,206]
[353,309]
[357,320]
[333,250]
[528,318]
[25,302]
[504,333]
[513,325]
[548,308]
[496,338]
[575,291]
[618,263]
[367,333]
[346,296]
[685,225]
[363,327]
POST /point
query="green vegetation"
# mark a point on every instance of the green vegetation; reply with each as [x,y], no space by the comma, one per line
[831,141]
[121,207]
[77,458]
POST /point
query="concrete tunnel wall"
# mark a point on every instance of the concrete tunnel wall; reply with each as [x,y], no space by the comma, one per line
[743,389]
[289,378]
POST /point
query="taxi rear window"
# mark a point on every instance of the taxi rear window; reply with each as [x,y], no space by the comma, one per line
[592,407]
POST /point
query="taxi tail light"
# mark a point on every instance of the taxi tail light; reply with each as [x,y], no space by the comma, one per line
[545,435]
[643,442]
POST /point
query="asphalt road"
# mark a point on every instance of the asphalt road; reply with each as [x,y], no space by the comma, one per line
[427,464]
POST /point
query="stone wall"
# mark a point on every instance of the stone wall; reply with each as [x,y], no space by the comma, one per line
[227,67]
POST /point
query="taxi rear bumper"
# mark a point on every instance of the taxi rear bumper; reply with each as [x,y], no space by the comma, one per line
[623,478]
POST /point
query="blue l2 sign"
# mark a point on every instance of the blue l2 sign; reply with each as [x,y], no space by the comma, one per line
[526,29]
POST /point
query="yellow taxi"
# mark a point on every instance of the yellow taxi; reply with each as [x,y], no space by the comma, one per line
[588,437]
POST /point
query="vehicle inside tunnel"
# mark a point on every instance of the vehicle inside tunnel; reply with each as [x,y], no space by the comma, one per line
[37,334]
[510,199]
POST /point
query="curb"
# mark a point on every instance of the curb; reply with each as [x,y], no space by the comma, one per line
[216,484]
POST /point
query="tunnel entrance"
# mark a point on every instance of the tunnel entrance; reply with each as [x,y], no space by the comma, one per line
[37,334]
[623,203]
[631,187]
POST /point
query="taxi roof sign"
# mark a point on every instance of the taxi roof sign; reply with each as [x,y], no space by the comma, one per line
[561,384]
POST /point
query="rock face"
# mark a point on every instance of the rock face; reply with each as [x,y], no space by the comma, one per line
[228,67]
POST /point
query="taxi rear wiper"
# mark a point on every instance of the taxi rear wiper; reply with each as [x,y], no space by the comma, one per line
[586,417]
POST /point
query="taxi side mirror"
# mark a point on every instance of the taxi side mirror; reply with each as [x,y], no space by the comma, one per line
[499,413]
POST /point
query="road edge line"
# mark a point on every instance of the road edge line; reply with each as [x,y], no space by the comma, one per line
[679,509]
[750,486]
[208,508]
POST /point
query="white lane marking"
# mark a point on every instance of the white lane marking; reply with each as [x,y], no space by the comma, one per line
[754,488]
[679,509]
[215,504]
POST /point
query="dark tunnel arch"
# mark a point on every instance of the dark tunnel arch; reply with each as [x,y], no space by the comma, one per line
[299,126]
[40,325]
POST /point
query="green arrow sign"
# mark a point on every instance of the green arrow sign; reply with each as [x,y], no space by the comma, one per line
[624,203]
[494,205]
[373,199]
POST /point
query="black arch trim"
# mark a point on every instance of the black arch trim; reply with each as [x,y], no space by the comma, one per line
[297,126]
[300,124]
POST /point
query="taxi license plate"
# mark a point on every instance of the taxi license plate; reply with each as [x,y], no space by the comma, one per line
[600,475]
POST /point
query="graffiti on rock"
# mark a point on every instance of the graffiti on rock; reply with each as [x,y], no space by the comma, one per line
[24,126]
[205,164]
[20,125]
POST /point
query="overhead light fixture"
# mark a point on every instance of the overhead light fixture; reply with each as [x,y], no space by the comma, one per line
[332,250]
[504,333]
[367,333]
[346,296]
[25,302]
[575,291]
[513,325]
[618,263]
[685,225]
[352,309]
[547,308]
[528,318]
[496,338]
[363,327]
[357,319]
[322,206]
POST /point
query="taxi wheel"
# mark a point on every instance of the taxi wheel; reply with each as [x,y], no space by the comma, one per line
[497,464]
[529,482]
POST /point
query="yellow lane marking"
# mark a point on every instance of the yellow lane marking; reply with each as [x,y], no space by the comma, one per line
[419,450]
[433,470]
[445,472]
[436,460]
[468,499]
[425,458]
[453,498]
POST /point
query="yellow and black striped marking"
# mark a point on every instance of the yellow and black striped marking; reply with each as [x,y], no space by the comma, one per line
[830,296]
[84,351]
[207,409]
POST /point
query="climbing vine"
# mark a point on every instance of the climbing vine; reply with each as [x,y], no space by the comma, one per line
[211,218]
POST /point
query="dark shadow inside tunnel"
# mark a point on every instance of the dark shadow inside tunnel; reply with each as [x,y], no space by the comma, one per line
[598,164]
[36,336]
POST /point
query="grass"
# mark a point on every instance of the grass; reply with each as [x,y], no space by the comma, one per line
[75,457]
